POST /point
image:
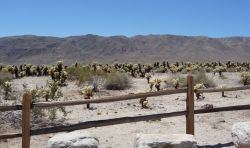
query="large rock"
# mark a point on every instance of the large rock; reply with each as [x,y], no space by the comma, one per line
[76,139]
[165,141]
[241,134]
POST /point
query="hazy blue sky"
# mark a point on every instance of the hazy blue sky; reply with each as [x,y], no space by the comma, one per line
[214,18]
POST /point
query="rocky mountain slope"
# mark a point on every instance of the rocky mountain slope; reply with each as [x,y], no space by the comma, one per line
[149,48]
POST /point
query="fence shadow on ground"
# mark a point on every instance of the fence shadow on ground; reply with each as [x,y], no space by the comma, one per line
[219,145]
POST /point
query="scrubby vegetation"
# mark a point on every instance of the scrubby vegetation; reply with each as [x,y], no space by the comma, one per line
[176,81]
[200,77]
[95,78]
[245,77]
[4,76]
[83,73]
[117,81]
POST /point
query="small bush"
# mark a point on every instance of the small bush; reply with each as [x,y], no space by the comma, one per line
[83,74]
[201,78]
[4,77]
[7,87]
[37,95]
[117,81]
[160,70]
[245,77]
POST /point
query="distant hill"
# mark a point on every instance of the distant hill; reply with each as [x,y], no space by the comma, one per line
[149,48]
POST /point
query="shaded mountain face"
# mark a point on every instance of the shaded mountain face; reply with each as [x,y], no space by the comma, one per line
[142,49]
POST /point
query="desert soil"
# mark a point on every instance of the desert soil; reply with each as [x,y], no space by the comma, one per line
[211,130]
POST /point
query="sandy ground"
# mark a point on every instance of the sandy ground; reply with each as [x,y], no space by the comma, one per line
[211,130]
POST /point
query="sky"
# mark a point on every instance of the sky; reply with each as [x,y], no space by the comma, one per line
[213,18]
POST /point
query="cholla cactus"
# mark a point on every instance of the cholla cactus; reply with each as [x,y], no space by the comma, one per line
[53,86]
[7,90]
[208,69]
[192,67]
[148,76]
[173,69]
[151,84]
[176,83]
[58,73]
[59,66]
[28,69]
[16,72]
[223,93]
[199,86]
[157,83]
[238,68]
[47,94]
[219,69]
[144,102]
[64,77]
[33,70]
[10,69]
[88,92]
[245,76]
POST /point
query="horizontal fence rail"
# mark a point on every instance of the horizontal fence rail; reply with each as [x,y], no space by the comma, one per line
[121,120]
[110,99]
[211,90]
[10,108]
[119,98]
[100,100]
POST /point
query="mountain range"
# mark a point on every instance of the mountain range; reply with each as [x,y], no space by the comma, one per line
[141,48]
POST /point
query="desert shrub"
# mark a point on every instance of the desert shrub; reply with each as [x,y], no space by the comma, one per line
[245,77]
[7,88]
[4,76]
[200,77]
[96,82]
[219,69]
[160,70]
[36,113]
[148,76]
[117,81]
[83,74]
[53,92]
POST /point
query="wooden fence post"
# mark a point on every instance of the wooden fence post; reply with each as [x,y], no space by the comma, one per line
[190,106]
[26,120]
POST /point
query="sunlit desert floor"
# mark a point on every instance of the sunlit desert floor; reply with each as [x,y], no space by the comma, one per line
[213,129]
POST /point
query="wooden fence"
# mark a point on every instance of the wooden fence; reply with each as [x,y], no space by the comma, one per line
[189,112]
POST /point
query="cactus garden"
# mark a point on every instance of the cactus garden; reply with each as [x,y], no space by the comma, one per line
[79,81]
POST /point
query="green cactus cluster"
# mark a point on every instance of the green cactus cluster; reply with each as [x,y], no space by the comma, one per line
[199,86]
[245,77]
[155,82]
[88,93]
[25,70]
[136,70]
[58,73]
[7,87]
